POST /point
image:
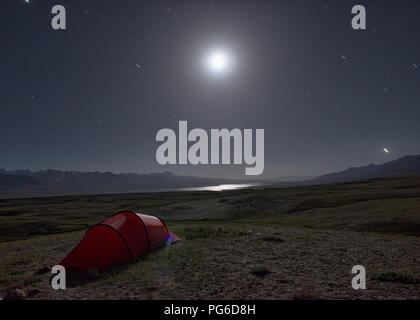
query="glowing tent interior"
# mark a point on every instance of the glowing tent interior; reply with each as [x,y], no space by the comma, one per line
[124,237]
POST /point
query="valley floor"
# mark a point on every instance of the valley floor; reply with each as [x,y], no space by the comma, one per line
[298,243]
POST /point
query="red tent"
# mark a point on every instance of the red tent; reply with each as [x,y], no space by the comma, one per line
[122,238]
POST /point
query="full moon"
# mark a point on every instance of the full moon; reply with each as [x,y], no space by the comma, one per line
[218,61]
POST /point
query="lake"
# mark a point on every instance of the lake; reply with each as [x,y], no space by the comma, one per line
[221,187]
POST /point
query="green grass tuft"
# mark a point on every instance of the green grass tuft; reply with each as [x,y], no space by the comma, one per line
[260,271]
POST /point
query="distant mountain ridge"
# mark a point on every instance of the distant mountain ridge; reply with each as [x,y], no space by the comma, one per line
[405,166]
[26,183]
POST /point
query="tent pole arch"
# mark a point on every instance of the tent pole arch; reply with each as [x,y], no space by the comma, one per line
[119,233]
[142,222]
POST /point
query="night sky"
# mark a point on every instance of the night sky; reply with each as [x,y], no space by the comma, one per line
[92,97]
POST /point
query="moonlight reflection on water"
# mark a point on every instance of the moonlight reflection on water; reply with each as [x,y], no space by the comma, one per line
[222,187]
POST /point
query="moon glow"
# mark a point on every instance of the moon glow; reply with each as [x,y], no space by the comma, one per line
[218,62]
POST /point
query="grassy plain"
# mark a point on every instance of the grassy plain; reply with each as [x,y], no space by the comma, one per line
[278,243]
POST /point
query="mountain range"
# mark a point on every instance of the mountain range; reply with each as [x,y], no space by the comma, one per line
[26,183]
[405,166]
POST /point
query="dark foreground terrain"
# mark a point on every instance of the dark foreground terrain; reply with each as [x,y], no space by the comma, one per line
[295,243]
